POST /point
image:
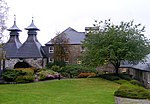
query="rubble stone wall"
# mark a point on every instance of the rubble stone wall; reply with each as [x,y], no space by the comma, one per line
[36,63]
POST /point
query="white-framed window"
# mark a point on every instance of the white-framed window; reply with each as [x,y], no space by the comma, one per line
[78,61]
[66,60]
[51,59]
[82,49]
[51,49]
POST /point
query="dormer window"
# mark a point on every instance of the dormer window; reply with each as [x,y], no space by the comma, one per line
[51,49]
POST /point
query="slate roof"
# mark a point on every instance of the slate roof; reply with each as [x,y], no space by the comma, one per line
[74,36]
[32,26]
[13,43]
[12,46]
[144,66]
[14,27]
[31,48]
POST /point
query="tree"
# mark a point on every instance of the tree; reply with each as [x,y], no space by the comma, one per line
[112,44]
[3,17]
[61,47]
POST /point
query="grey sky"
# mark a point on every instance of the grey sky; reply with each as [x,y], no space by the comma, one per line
[52,16]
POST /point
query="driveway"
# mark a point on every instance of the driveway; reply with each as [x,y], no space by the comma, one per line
[120,100]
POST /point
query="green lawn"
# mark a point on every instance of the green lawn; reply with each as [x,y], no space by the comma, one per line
[68,91]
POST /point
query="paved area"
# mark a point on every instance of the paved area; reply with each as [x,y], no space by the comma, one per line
[120,100]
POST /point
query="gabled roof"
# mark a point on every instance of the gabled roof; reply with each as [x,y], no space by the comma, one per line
[74,36]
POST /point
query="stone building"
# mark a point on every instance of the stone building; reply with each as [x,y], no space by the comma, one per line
[28,54]
[32,54]
[141,71]
[75,46]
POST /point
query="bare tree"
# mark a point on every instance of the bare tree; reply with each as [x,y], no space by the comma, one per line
[3,17]
[61,47]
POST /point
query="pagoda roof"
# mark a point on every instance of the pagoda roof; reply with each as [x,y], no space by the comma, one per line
[31,48]
[12,46]
[32,26]
[14,27]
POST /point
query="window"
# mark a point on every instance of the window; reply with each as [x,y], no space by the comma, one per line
[78,61]
[148,78]
[82,49]
[66,50]
[51,49]
[66,60]
[51,60]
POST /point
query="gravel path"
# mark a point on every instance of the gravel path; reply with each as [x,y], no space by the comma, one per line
[120,100]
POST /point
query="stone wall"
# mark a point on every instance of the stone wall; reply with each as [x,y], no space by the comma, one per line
[142,76]
[75,53]
[36,63]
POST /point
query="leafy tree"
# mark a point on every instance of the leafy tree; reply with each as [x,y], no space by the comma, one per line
[115,43]
[61,47]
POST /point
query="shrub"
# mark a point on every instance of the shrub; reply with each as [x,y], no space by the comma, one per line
[125,76]
[113,76]
[110,76]
[85,75]
[57,63]
[135,82]
[20,75]
[72,71]
[47,74]
[60,63]
[42,76]
[41,69]
[24,79]
[121,81]
[28,71]
[49,65]
[11,75]
[134,92]
[56,68]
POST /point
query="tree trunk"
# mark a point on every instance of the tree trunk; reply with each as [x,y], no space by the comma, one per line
[116,71]
[116,65]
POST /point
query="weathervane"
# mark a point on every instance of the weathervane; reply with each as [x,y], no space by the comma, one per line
[14,17]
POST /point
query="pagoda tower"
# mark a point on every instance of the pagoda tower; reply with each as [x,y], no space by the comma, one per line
[31,50]
[13,43]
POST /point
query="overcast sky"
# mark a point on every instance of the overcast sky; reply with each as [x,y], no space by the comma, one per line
[53,16]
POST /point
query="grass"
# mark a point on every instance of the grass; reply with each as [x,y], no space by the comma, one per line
[71,91]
